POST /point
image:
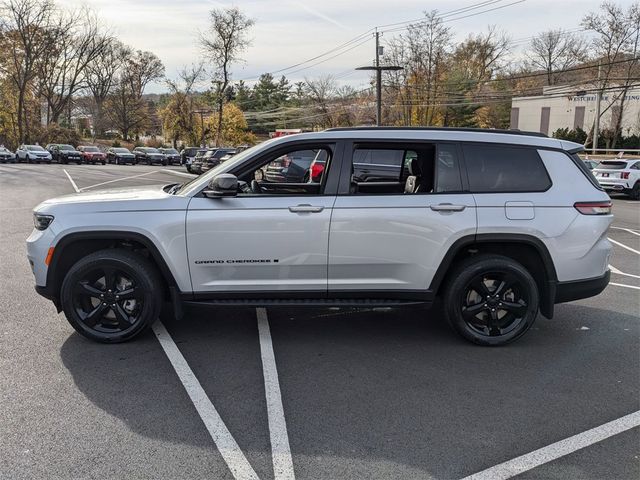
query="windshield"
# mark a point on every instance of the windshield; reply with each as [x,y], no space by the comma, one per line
[120,150]
[67,147]
[35,148]
[172,151]
[90,149]
[151,150]
[223,167]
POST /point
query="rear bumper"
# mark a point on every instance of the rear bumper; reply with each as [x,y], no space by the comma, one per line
[570,291]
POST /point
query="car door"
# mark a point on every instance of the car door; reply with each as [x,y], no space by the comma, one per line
[385,242]
[270,240]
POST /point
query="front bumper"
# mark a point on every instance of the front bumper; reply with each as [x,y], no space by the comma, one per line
[576,290]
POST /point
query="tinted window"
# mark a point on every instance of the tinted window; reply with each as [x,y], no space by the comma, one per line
[612,165]
[447,169]
[497,168]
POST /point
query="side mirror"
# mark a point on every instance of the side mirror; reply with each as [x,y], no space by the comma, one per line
[224,185]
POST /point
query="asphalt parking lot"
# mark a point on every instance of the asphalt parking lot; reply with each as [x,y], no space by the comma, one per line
[365,393]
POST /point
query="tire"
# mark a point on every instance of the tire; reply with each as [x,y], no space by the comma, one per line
[634,193]
[189,168]
[103,162]
[502,281]
[124,272]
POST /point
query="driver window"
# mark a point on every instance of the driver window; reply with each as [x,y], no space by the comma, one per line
[296,172]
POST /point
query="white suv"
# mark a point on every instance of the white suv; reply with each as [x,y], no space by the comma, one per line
[620,175]
[499,224]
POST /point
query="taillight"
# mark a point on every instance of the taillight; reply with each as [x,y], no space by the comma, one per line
[624,175]
[593,208]
[316,170]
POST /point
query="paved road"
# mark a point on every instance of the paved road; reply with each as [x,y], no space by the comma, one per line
[366,393]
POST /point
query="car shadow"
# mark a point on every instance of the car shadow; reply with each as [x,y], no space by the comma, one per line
[366,386]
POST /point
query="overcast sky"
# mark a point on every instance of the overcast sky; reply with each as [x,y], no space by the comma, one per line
[287,32]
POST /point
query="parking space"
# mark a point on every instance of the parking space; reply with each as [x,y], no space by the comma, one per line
[364,393]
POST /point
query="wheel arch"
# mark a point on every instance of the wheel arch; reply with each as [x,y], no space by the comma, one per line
[74,246]
[530,251]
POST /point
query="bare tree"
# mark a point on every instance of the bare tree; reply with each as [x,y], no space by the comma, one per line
[223,43]
[321,92]
[125,109]
[616,47]
[75,43]
[179,117]
[142,69]
[554,51]
[23,40]
[100,77]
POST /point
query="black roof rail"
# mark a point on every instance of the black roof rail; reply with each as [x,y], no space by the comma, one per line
[442,129]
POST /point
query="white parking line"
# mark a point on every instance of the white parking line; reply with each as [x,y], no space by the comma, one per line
[559,449]
[627,230]
[226,444]
[623,285]
[73,184]
[182,174]
[280,451]
[618,272]
[623,246]
[119,179]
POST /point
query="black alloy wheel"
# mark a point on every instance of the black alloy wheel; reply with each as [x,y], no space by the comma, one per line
[112,295]
[491,299]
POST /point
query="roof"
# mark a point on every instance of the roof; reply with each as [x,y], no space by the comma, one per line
[513,137]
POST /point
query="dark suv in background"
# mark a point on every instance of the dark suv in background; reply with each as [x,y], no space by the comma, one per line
[214,158]
[291,168]
[172,156]
[64,153]
[149,155]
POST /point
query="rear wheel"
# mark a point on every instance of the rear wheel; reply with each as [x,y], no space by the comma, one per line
[111,296]
[491,300]
[634,193]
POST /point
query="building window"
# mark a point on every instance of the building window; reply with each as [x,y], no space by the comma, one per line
[544,120]
[515,117]
[578,119]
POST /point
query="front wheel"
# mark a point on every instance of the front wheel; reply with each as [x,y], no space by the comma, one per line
[491,300]
[111,296]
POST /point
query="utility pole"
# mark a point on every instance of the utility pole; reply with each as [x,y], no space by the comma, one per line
[379,70]
[596,125]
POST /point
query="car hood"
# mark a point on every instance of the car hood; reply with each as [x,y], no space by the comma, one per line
[149,198]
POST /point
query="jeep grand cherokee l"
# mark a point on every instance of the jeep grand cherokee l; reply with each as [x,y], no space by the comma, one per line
[500,225]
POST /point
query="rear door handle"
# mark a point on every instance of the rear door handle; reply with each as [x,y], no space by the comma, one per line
[305,208]
[447,207]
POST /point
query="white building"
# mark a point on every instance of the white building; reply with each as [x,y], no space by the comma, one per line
[568,107]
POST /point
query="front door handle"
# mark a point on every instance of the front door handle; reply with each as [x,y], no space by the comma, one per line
[447,207]
[305,208]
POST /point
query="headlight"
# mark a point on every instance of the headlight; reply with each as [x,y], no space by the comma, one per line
[41,222]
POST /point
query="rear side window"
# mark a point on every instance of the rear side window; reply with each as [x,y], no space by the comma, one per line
[500,168]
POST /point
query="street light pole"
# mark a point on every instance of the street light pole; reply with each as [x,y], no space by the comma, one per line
[596,125]
[378,69]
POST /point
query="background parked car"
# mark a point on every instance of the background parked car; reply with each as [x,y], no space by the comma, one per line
[172,156]
[291,168]
[92,154]
[214,158]
[149,156]
[63,153]
[32,153]
[188,154]
[6,156]
[120,156]
[619,175]
[196,164]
